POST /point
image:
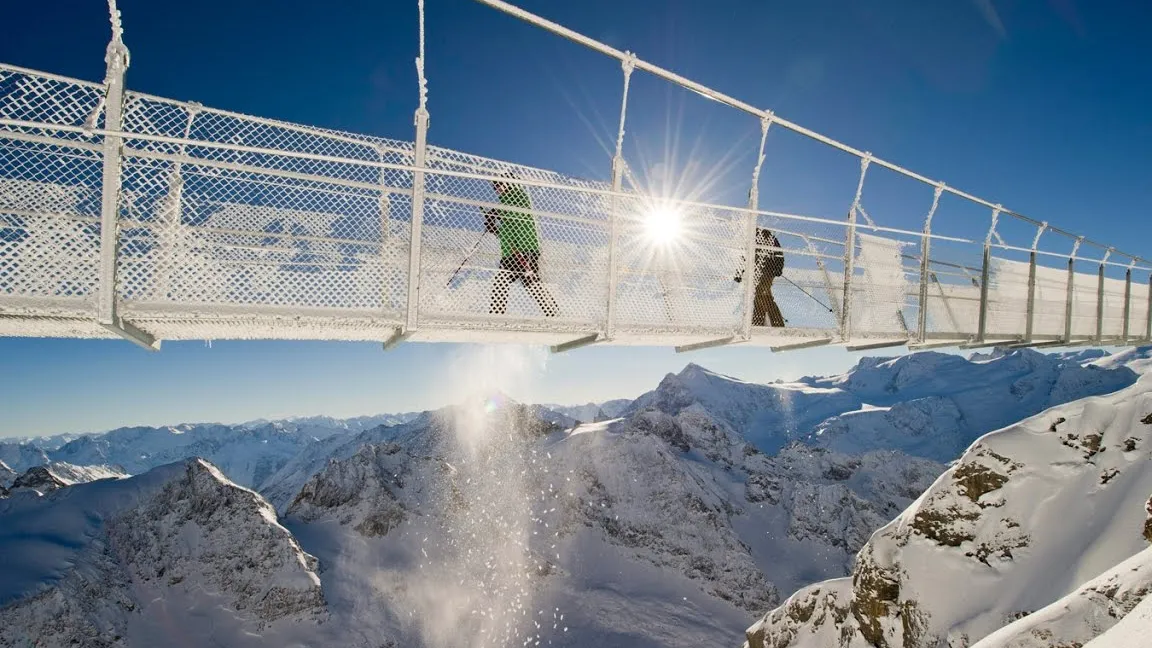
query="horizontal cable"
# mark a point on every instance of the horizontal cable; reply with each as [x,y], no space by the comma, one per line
[752,110]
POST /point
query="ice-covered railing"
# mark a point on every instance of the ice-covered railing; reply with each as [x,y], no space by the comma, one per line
[125,214]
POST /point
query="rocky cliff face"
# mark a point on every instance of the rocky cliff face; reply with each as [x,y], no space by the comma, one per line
[180,550]
[1027,516]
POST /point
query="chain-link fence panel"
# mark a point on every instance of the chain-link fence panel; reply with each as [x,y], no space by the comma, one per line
[953,299]
[879,289]
[244,227]
[50,185]
[1084,299]
[810,286]
[1112,322]
[229,211]
[1007,308]
[1051,303]
[512,247]
[1140,313]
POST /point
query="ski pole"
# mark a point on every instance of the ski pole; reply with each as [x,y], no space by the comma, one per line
[467,257]
[810,296]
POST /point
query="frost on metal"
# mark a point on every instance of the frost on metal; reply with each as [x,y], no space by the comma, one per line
[234,226]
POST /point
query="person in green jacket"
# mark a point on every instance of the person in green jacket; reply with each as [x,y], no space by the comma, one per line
[519,248]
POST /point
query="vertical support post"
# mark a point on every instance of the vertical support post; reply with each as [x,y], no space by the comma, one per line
[627,65]
[925,256]
[850,254]
[1031,310]
[982,326]
[749,270]
[412,320]
[116,58]
[1127,301]
[1071,290]
[1100,297]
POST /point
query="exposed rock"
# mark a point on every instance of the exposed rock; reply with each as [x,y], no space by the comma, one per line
[178,534]
[974,552]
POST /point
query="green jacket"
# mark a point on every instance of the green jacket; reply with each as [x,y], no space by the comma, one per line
[517,231]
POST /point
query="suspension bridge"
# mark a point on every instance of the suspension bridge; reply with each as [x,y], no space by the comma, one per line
[126,215]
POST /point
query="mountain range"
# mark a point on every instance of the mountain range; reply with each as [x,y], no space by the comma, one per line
[674,519]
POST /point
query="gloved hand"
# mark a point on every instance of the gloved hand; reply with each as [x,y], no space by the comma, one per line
[523,263]
[738,278]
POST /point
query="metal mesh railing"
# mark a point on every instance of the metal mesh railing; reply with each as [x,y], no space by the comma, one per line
[228,225]
[230,210]
[50,184]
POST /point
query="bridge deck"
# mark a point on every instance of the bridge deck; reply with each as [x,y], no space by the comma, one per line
[128,215]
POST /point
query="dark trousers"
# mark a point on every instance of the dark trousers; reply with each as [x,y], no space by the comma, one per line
[764,305]
[525,268]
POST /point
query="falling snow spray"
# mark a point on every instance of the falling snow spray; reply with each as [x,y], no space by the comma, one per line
[477,586]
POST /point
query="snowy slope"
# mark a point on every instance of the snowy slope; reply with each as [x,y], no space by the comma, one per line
[323,426]
[930,405]
[283,485]
[1084,614]
[179,553]
[1027,516]
[6,475]
[592,412]
[248,454]
[58,474]
[22,456]
[651,530]
[935,405]
[1133,630]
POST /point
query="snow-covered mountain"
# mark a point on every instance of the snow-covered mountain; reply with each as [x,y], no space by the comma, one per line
[1083,615]
[22,456]
[7,475]
[248,453]
[935,405]
[179,554]
[1030,514]
[931,405]
[656,506]
[592,412]
[322,424]
[58,474]
[283,485]
[670,524]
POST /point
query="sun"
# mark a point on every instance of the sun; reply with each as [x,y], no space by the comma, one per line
[664,224]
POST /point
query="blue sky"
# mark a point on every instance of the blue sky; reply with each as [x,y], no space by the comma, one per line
[1038,104]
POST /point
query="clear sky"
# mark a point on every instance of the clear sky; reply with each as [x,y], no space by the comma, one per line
[1041,105]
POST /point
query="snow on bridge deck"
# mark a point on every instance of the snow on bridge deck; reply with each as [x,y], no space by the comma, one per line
[123,214]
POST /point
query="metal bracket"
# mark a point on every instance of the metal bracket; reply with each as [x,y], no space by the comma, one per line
[885,344]
[397,338]
[807,344]
[584,341]
[133,334]
[935,344]
[709,344]
[1037,345]
[984,344]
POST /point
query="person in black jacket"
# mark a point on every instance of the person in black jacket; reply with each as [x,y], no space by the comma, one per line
[769,265]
